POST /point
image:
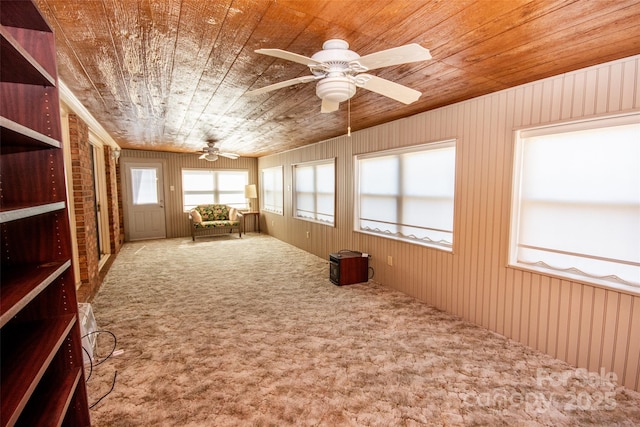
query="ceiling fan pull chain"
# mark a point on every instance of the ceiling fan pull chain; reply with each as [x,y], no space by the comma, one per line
[349,117]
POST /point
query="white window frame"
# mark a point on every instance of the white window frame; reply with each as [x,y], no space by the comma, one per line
[517,260]
[438,242]
[272,190]
[217,192]
[314,215]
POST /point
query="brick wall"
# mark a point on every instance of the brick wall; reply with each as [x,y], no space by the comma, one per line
[84,207]
[116,230]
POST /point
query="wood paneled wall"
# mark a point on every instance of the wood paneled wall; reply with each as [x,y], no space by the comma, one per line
[586,325]
[177,221]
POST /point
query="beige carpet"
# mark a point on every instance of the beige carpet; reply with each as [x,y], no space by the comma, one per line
[251,332]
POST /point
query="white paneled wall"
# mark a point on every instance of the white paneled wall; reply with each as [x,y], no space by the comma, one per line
[586,325]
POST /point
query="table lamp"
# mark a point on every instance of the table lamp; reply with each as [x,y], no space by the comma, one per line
[250,193]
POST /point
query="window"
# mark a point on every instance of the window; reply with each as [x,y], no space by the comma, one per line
[314,191]
[407,194]
[576,202]
[272,192]
[203,186]
[144,184]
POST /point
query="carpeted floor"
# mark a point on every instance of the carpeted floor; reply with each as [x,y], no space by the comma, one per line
[251,332]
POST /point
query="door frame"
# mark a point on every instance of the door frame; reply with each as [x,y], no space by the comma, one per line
[102,206]
[126,197]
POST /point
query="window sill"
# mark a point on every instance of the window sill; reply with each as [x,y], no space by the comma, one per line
[412,242]
[315,221]
[576,278]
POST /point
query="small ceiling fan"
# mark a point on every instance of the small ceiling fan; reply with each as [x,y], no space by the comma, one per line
[210,152]
[339,71]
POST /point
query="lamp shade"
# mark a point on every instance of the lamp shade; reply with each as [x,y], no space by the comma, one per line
[250,191]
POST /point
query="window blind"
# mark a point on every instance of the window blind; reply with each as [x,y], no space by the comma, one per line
[408,194]
[577,201]
[314,191]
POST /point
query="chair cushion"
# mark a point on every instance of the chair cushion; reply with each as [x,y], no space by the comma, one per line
[216,224]
[214,212]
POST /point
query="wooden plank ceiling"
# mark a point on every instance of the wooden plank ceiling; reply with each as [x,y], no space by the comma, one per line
[169,74]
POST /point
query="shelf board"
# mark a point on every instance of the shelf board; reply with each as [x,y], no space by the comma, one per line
[29,211]
[27,351]
[23,14]
[49,406]
[21,284]
[16,137]
[25,69]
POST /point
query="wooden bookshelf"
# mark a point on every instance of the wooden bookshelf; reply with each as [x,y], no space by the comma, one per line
[35,345]
[16,137]
[21,284]
[26,69]
[16,213]
[41,365]
[50,407]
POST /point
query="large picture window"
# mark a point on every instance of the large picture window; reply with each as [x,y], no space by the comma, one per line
[204,186]
[576,202]
[407,194]
[314,191]
[272,192]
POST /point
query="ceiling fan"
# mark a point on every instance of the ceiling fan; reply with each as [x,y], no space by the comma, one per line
[210,152]
[339,71]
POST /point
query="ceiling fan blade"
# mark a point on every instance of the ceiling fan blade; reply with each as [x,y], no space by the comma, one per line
[289,56]
[202,156]
[329,106]
[232,156]
[398,55]
[387,88]
[304,79]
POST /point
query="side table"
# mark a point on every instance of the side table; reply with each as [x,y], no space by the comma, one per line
[256,219]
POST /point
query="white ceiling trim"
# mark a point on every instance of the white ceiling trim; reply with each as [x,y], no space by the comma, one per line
[70,100]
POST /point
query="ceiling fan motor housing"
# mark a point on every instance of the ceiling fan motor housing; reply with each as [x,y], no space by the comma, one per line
[335,57]
[335,50]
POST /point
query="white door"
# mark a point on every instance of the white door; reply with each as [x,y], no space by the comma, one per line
[144,201]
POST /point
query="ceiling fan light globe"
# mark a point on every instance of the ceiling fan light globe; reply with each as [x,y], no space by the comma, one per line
[211,157]
[335,89]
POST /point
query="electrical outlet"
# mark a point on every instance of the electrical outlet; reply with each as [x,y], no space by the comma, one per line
[390,260]
[308,234]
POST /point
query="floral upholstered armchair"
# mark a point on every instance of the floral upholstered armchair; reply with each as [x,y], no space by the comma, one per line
[211,219]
